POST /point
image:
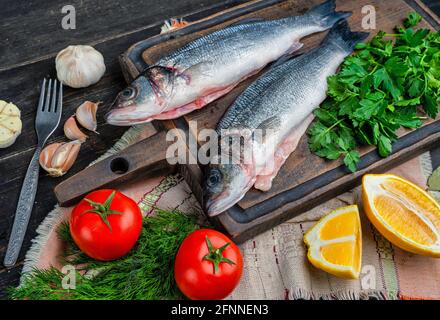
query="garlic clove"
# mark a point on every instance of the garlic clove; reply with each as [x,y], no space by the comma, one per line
[79,66]
[86,115]
[65,156]
[58,158]
[72,132]
[46,155]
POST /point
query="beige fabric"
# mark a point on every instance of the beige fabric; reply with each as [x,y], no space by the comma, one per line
[275,262]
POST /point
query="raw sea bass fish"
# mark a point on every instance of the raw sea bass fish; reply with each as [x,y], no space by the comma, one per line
[281,100]
[212,65]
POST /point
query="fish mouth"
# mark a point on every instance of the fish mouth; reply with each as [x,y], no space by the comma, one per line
[217,204]
[125,115]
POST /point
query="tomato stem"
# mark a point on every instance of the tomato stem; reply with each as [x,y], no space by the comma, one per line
[103,209]
[215,255]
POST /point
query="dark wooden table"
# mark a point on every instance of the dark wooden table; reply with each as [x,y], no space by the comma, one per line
[30,37]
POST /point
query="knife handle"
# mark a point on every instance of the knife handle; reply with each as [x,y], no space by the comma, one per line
[24,210]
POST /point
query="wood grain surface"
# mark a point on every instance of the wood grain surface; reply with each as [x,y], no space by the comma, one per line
[305,180]
[30,37]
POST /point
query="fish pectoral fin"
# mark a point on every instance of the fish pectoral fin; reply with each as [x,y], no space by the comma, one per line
[273,124]
[284,58]
[201,69]
[295,47]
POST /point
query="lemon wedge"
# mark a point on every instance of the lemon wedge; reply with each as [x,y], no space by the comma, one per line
[403,213]
[335,243]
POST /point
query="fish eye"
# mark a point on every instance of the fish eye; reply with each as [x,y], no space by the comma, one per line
[128,93]
[214,178]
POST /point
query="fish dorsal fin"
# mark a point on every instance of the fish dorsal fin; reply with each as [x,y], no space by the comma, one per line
[246,21]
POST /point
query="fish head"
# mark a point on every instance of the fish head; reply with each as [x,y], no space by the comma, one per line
[135,104]
[225,185]
[146,97]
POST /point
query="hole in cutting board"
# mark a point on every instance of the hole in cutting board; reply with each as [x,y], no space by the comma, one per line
[119,165]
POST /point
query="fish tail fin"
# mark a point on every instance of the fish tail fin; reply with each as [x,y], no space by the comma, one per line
[341,36]
[325,14]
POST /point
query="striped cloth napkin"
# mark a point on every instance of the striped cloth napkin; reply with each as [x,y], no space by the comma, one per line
[275,262]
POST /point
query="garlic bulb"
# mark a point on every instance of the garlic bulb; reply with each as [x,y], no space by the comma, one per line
[58,158]
[86,115]
[72,132]
[10,124]
[79,66]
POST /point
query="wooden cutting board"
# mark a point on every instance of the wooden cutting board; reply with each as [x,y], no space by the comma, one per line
[305,180]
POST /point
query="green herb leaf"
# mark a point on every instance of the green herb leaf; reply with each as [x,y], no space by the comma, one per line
[430,105]
[408,102]
[347,106]
[326,117]
[378,90]
[367,110]
[412,20]
[384,146]
[329,152]
[382,76]
[351,160]
[415,87]
[410,121]
[396,67]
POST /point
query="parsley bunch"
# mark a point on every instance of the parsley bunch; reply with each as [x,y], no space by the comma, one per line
[378,90]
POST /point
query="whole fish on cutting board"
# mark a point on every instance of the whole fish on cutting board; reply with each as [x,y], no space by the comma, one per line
[211,66]
[279,103]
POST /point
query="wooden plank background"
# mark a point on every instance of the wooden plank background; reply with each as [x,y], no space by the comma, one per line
[30,37]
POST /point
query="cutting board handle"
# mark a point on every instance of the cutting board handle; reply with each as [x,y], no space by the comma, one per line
[146,158]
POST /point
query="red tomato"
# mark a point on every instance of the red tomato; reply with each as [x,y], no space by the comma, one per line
[106,224]
[208,265]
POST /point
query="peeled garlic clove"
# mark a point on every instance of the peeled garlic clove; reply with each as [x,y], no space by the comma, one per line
[86,115]
[58,158]
[79,66]
[72,132]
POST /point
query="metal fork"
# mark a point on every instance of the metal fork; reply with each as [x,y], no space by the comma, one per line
[47,120]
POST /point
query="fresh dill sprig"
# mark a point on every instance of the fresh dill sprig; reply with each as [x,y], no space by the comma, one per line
[145,273]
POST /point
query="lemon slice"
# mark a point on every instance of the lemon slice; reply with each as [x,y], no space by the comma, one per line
[403,213]
[10,123]
[335,243]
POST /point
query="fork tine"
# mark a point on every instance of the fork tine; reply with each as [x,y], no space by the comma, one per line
[52,107]
[42,91]
[46,102]
[60,99]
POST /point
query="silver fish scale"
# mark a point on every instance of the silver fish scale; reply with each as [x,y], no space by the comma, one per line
[281,91]
[234,41]
[243,107]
